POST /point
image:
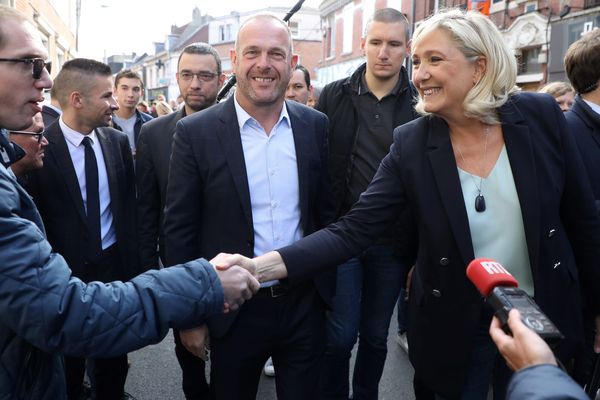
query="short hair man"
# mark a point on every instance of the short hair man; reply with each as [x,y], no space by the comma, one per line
[89,161]
[129,89]
[33,142]
[363,110]
[199,77]
[299,88]
[581,63]
[46,311]
[247,175]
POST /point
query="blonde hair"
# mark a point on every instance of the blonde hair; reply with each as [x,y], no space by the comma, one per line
[163,108]
[476,36]
[556,89]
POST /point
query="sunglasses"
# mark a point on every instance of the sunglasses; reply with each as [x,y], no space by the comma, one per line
[38,65]
[38,135]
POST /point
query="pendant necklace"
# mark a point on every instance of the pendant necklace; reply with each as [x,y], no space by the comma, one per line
[479,199]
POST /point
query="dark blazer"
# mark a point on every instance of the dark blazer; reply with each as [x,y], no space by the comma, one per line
[153,154]
[562,231]
[208,200]
[49,115]
[56,192]
[584,125]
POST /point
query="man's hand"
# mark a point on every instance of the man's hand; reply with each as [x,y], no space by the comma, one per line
[224,260]
[195,341]
[238,286]
[525,348]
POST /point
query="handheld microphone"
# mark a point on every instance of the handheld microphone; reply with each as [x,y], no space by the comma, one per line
[501,291]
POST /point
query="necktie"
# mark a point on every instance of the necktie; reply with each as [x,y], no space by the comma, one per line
[94,248]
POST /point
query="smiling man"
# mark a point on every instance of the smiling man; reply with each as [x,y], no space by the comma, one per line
[86,195]
[246,176]
[363,110]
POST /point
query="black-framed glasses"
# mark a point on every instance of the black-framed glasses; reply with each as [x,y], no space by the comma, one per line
[203,76]
[38,65]
[38,135]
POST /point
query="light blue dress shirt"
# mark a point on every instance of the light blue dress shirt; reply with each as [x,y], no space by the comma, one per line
[498,232]
[77,152]
[272,173]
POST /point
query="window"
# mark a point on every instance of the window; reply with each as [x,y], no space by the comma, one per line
[225,33]
[368,9]
[293,27]
[330,45]
[530,6]
[348,23]
[528,61]
[9,3]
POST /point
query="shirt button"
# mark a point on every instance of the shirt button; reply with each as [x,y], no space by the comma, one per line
[436,293]
[551,232]
[444,261]
[376,116]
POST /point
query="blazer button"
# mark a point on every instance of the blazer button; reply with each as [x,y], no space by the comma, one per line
[444,261]
[551,232]
[436,293]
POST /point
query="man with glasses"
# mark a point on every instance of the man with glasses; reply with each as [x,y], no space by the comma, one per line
[46,312]
[33,142]
[199,77]
[129,88]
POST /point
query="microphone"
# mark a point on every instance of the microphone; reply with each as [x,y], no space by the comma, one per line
[502,293]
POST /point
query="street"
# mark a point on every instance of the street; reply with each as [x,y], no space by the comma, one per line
[155,374]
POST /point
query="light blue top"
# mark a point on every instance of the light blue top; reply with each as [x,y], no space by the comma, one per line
[272,173]
[498,232]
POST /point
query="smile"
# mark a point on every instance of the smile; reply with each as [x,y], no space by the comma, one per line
[264,80]
[429,92]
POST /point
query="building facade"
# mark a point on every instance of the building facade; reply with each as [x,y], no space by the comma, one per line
[56,21]
[538,31]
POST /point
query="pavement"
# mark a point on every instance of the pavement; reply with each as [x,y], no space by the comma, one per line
[155,375]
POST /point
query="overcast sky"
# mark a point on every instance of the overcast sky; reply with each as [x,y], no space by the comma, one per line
[121,27]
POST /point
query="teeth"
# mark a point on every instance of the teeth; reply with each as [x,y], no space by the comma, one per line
[428,92]
[264,79]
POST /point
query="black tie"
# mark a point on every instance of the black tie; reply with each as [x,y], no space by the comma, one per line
[94,250]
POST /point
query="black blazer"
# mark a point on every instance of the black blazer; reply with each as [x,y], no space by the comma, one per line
[56,192]
[562,231]
[49,115]
[584,125]
[153,154]
[208,200]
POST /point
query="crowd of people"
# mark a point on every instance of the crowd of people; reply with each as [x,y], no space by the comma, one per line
[320,211]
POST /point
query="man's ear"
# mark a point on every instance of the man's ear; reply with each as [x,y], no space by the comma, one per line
[76,99]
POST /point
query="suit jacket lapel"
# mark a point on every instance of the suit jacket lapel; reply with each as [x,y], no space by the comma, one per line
[441,158]
[59,153]
[231,141]
[519,148]
[300,130]
[110,151]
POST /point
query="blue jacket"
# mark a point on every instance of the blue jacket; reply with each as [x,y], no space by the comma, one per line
[543,382]
[45,312]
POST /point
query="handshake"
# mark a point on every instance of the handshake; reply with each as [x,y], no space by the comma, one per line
[240,276]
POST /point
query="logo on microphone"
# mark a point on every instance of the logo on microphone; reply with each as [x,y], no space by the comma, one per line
[493,267]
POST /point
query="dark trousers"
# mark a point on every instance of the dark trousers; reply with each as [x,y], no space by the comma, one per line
[193,383]
[290,328]
[109,374]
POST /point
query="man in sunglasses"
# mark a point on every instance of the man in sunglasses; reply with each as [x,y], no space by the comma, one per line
[45,311]
[33,142]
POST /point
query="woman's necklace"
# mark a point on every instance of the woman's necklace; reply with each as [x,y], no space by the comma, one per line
[479,199]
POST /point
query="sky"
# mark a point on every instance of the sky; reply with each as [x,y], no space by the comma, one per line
[109,27]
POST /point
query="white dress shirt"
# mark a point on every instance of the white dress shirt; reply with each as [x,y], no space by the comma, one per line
[272,173]
[77,151]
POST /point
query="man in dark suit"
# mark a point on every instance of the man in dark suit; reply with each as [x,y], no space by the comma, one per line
[86,195]
[199,76]
[245,176]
